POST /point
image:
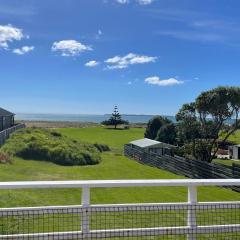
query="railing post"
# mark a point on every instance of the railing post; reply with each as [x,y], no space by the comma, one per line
[85,206]
[192,221]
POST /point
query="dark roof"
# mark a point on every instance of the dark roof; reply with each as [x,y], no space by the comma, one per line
[4,112]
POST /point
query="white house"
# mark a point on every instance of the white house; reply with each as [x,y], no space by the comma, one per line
[150,145]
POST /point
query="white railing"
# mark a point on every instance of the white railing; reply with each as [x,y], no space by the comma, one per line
[191,229]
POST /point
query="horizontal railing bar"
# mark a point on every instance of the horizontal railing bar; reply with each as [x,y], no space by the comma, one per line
[71,209]
[119,183]
[164,206]
[132,232]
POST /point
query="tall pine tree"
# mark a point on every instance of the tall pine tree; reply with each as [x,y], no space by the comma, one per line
[115,119]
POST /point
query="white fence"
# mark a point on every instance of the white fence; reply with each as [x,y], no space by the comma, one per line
[7,132]
[190,219]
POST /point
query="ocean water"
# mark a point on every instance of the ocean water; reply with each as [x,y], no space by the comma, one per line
[82,117]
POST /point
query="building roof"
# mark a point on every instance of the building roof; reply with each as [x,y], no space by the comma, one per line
[4,113]
[146,142]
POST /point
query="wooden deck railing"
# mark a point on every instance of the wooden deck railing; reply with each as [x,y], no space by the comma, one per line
[4,135]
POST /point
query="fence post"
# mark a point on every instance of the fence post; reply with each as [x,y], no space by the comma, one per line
[192,221]
[85,206]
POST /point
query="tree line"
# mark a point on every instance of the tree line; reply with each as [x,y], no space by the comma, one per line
[200,124]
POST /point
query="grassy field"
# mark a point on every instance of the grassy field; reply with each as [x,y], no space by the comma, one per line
[235,137]
[226,162]
[114,138]
[113,166]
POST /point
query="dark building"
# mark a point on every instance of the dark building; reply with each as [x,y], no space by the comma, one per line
[6,119]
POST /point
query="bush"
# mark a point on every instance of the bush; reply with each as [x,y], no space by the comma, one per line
[56,134]
[154,125]
[45,145]
[102,147]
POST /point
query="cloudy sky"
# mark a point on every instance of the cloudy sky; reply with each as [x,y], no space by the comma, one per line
[146,56]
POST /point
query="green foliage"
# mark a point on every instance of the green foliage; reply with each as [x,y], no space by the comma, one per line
[203,122]
[46,145]
[154,125]
[115,119]
[167,133]
[102,147]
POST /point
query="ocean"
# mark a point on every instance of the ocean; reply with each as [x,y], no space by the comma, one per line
[83,117]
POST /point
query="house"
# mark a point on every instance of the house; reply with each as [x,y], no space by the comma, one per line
[234,151]
[154,146]
[6,119]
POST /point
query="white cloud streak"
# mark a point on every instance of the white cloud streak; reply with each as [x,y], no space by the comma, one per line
[119,62]
[141,2]
[163,83]
[8,34]
[144,2]
[194,36]
[92,63]
[70,47]
[23,50]
[122,1]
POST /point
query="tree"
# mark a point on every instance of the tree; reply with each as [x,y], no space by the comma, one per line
[154,125]
[167,133]
[214,113]
[115,119]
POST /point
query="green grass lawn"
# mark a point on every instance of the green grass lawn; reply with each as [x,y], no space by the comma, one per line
[226,162]
[235,137]
[113,166]
[114,138]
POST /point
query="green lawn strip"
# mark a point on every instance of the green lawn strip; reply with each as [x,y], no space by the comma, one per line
[228,162]
[111,137]
[235,137]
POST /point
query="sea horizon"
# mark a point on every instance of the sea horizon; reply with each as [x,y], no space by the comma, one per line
[76,117]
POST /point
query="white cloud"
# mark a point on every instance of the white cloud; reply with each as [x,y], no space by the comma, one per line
[163,83]
[129,83]
[144,2]
[23,50]
[70,47]
[8,33]
[92,63]
[119,62]
[141,2]
[122,1]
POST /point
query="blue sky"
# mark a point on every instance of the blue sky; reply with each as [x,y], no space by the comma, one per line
[146,56]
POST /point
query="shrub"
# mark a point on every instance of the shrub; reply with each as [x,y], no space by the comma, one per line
[102,147]
[45,145]
[56,134]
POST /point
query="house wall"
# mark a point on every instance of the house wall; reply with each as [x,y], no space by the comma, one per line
[235,152]
[6,122]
